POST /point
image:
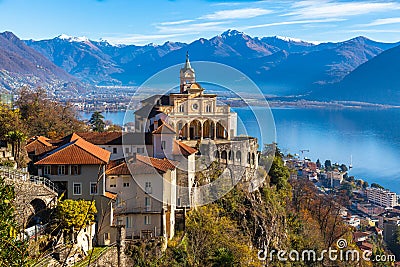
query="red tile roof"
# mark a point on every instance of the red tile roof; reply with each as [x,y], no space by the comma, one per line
[39,145]
[105,138]
[365,246]
[184,149]
[164,128]
[110,195]
[118,169]
[160,164]
[78,151]
[142,165]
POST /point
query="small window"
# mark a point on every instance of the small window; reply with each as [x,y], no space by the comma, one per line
[128,223]
[182,108]
[75,170]
[126,149]
[115,150]
[140,150]
[106,236]
[46,170]
[93,188]
[208,108]
[148,188]
[126,184]
[77,188]
[61,170]
[113,182]
[147,203]
[147,220]
[162,145]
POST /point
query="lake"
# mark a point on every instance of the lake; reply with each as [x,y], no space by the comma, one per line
[370,137]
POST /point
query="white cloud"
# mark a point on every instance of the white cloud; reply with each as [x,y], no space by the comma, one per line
[385,21]
[243,13]
[140,39]
[374,31]
[293,22]
[333,9]
[178,22]
[194,27]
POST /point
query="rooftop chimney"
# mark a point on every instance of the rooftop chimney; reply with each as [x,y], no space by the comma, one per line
[131,158]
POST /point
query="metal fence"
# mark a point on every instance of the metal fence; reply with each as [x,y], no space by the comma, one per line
[14,174]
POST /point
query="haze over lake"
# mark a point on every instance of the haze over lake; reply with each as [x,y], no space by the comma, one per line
[371,137]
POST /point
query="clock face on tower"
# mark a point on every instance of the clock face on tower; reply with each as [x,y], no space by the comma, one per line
[195,106]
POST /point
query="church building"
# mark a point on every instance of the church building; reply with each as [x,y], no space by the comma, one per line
[194,118]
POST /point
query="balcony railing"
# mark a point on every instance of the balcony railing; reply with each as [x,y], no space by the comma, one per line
[14,174]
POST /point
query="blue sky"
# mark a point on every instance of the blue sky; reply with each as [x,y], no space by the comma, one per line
[156,21]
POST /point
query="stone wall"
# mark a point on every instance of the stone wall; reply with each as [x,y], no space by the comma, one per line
[31,199]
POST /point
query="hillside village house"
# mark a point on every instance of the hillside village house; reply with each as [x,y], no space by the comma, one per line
[145,204]
[78,168]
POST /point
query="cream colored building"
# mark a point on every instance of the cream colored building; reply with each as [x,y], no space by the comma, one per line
[78,169]
[146,195]
[194,118]
[382,197]
[192,113]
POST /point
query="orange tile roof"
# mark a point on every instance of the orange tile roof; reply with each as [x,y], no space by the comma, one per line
[142,165]
[78,151]
[110,195]
[185,149]
[39,145]
[105,138]
[117,169]
[164,128]
[160,164]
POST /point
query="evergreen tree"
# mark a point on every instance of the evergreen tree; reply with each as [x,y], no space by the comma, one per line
[328,165]
[97,122]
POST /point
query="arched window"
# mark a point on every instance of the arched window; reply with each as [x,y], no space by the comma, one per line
[224,156]
[216,155]
[208,108]
[239,156]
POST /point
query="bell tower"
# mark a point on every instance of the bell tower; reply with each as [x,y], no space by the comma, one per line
[187,75]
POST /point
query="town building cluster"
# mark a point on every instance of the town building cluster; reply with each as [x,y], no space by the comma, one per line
[374,212]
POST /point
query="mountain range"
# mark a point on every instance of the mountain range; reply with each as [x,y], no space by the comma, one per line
[279,65]
[375,81]
[22,65]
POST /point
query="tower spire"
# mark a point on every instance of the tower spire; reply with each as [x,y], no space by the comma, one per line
[187,74]
[187,64]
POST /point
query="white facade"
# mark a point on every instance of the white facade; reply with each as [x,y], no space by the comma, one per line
[146,202]
[192,113]
[382,197]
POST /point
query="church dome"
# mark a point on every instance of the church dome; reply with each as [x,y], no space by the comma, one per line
[195,86]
